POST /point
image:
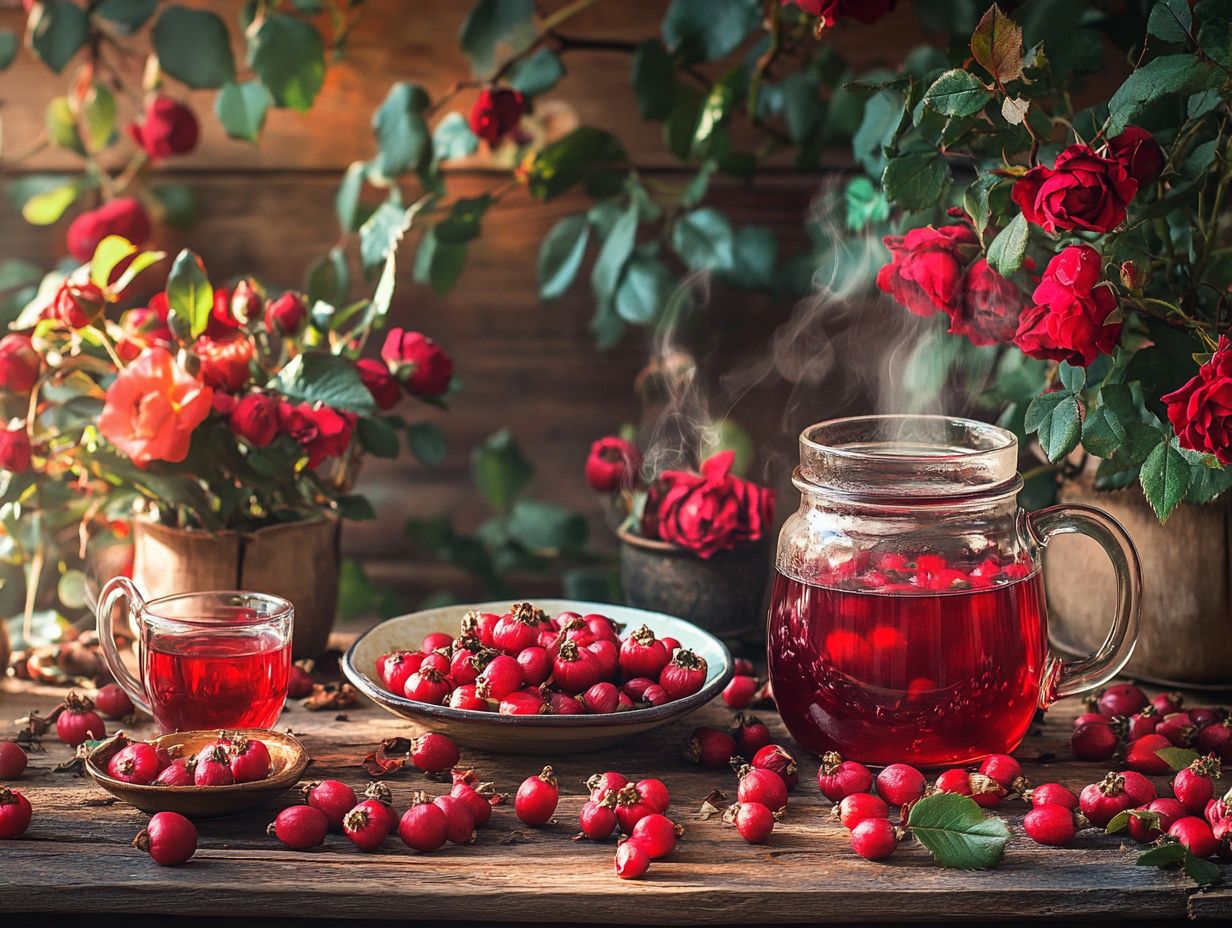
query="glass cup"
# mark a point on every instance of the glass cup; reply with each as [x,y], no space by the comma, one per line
[908,620]
[207,660]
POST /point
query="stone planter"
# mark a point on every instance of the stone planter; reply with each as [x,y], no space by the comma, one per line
[1185,635]
[724,594]
[296,560]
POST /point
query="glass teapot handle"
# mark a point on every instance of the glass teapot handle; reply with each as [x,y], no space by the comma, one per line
[1069,678]
[120,590]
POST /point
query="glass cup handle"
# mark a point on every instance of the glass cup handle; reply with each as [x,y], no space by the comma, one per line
[116,590]
[1069,678]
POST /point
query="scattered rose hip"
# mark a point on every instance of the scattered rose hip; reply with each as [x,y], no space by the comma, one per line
[900,784]
[15,813]
[434,753]
[713,748]
[754,821]
[857,807]
[300,827]
[13,760]
[1194,787]
[424,826]
[874,838]
[77,722]
[332,797]
[112,702]
[838,778]
[169,838]
[1126,717]
[775,758]
[535,801]
[740,691]
[1051,824]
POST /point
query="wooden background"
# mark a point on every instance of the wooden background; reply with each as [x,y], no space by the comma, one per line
[526,365]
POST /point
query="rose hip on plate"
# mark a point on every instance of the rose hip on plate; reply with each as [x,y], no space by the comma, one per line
[13,760]
[683,675]
[15,813]
[535,801]
[213,768]
[136,762]
[250,760]
[300,827]
[169,838]
[642,655]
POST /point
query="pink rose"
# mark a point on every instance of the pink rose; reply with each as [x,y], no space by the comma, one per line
[152,408]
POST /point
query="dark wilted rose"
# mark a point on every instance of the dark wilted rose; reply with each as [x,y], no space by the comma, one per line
[1082,191]
[255,417]
[167,127]
[122,216]
[19,363]
[383,385]
[831,11]
[925,274]
[78,305]
[418,362]
[1073,303]
[1139,152]
[1201,411]
[613,465]
[285,315]
[991,306]
[496,113]
[224,361]
[323,432]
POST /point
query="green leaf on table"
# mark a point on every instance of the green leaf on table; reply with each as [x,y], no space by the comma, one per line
[997,45]
[754,254]
[546,527]
[1165,479]
[329,279]
[402,137]
[1202,872]
[1171,75]
[1007,251]
[439,262]
[453,138]
[643,290]
[378,437]
[703,239]
[654,80]
[59,29]
[288,56]
[560,255]
[1120,822]
[427,442]
[241,109]
[193,47]
[1170,20]
[382,232]
[127,15]
[958,832]
[865,204]
[613,256]
[1056,418]
[560,165]
[1177,758]
[1163,855]
[189,293]
[491,23]
[500,470]
[916,180]
[957,93]
[705,30]
[536,74]
[177,204]
[316,377]
[8,48]
[61,125]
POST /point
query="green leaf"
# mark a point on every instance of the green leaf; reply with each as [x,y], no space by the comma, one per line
[316,377]
[1202,872]
[1170,20]
[287,55]
[128,15]
[1206,484]
[754,253]
[107,254]
[917,180]
[705,30]
[241,109]
[462,223]
[865,204]
[566,161]
[997,45]
[654,80]
[957,93]
[560,255]
[536,74]
[8,48]
[329,278]
[401,133]
[716,107]
[500,470]
[378,437]
[1164,855]
[382,232]
[383,295]
[356,507]
[882,114]
[99,116]
[453,138]
[61,126]
[46,207]
[1007,251]
[1177,758]
[1171,75]
[1057,420]
[193,47]
[643,290]
[189,294]
[976,201]
[957,832]
[614,255]
[59,29]
[492,22]
[177,203]
[427,442]
[1119,822]
[546,527]
[1165,478]
[703,240]
[1073,378]
[346,201]
[1103,432]
[439,263]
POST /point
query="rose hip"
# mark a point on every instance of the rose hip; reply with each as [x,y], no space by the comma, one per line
[1196,835]
[603,783]
[564,704]
[857,807]
[656,834]
[78,722]
[754,821]
[900,784]
[1194,786]
[136,763]
[13,760]
[300,683]
[711,747]
[1093,742]
[250,760]
[300,827]
[112,702]
[608,657]
[683,675]
[458,816]
[631,861]
[1121,699]
[874,838]
[642,655]
[433,752]
[332,797]
[464,697]
[367,825]
[655,793]
[838,778]
[739,692]
[15,813]
[428,685]
[954,780]
[751,736]
[1216,738]
[632,807]
[424,826]
[1148,822]
[1100,802]
[179,772]
[1168,703]
[597,820]
[536,799]
[1050,824]
[1142,723]
[396,667]
[523,702]
[742,667]
[213,768]
[1142,755]
[600,698]
[502,676]
[1178,728]
[480,808]
[517,629]
[1049,794]
[536,665]
[774,758]
[169,838]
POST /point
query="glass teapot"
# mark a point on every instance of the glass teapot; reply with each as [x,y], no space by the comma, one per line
[908,620]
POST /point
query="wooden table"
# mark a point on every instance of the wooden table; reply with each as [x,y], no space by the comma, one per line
[807,873]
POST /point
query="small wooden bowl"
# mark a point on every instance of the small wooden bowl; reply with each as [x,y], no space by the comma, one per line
[288,760]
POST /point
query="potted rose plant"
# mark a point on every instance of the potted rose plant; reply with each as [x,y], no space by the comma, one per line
[694,544]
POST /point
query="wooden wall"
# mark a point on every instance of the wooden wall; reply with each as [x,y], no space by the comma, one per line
[526,365]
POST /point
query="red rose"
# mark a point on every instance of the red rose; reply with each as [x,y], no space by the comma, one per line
[991,306]
[830,11]
[1082,191]
[1068,322]
[496,112]
[323,432]
[286,314]
[15,449]
[1139,152]
[613,465]
[380,383]
[1201,411]
[168,128]
[233,309]
[255,417]
[223,403]
[123,216]
[224,361]
[19,363]
[925,274]
[420,363]
[708,512]
[78,305]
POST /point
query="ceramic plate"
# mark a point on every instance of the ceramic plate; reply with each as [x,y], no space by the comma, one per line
[531,734]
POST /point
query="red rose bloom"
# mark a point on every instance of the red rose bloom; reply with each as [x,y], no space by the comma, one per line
[323,432]
[831,11]
[168,128]
[285,315]
[496,112]
[1139,152]
[19,363]
[708,512]
[925,274]
[233,309]
[990,309]
[77,305]
[380,382]
[1082,191]
[420,363]
[1201,411]
[224,361]
[1068,322]
[123,216]
[613,465]
[15,449]
[255,418]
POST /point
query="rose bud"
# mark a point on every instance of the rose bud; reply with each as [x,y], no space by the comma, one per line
[168,127]
[285,315]
[255,418]
[613,465]
[224,361]
[380,382]
[1133,277]
[1139,152]
[496,112]
[14,449]
[123,216]
[77,305]
[420,363]
[233,309]
[19,363]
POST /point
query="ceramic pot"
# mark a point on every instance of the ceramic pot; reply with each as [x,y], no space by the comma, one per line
[724,594]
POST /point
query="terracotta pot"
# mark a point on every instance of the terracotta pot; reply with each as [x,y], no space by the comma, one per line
[1185,636]
[724,594]
[296,560]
